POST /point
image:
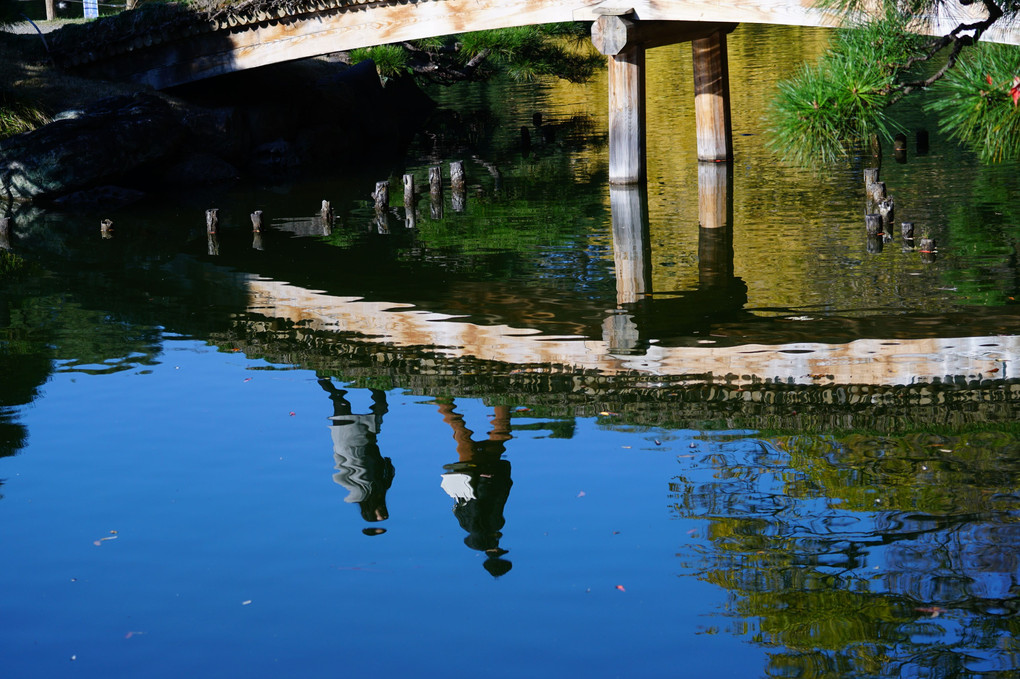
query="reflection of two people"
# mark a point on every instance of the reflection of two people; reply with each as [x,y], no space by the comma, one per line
[361,468]
[479,482]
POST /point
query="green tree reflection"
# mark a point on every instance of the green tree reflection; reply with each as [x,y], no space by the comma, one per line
[863,556]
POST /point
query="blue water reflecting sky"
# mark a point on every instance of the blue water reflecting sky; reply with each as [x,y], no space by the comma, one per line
[224,545]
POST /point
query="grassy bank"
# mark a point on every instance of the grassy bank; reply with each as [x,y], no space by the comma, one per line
[32,90]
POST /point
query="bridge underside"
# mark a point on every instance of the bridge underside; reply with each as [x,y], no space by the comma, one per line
[240,41]
[226,46]
[197,47]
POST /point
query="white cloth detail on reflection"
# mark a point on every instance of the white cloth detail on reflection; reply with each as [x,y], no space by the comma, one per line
[351,437]
[458,486]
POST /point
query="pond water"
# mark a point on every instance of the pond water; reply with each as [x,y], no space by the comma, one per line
[563,429]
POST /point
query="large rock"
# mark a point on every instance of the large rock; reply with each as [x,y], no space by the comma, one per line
[108,141]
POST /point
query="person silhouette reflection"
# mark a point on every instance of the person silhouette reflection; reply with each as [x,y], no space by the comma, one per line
[479,482]
[361,468]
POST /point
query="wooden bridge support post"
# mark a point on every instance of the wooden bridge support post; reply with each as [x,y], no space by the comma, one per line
[712,97]
[624,39]
[627,160]
[613,35]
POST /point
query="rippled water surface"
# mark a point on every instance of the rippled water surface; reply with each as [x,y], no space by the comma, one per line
[532,437]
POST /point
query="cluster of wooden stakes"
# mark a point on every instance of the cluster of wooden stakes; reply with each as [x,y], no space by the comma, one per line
[381,198]
[879,220]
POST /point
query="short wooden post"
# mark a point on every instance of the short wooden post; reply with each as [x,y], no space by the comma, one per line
[5,233]
[870,177]
[907,229]
[436,191]
[458,185]
[326,213]
[436,182]
[256,221]
[712,98]
[382,196]
[921,141]
[875,244]
[382,221]
[873,224]
[256,241]
[887,210]
[525,141]
[900,148]
[214,244]
[876,192]
[457,180]
[927,249]
[106,228]
[409,192]
[410,212]
[212,220]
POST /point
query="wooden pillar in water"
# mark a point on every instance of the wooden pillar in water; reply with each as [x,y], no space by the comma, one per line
[712,98]
[621,37]
[627,162]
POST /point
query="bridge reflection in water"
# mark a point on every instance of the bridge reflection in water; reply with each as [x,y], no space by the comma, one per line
[670,333]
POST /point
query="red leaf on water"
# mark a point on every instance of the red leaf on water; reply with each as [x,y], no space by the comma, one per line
[620,587]
[248,379]
[933,611]
[292,413]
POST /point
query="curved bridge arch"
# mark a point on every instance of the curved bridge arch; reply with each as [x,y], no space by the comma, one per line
[251,36]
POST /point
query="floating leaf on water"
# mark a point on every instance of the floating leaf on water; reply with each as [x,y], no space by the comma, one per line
[620,587]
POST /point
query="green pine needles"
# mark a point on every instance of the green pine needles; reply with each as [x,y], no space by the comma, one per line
[980,102]
[832,109]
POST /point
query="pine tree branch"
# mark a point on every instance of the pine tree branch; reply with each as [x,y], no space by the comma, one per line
[953,38]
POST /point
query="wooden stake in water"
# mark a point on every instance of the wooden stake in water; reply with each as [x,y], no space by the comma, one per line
[256,221]
[212,220]
[382,196]
[436,191]
[409,192]
[106,228]
[873,224]
[907,229]
[886,209]
[458,185]
[326,212]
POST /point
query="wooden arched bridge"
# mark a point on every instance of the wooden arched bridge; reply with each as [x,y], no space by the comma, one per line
[186,46]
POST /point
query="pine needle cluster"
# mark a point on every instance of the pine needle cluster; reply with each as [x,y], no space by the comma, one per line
[833,108]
